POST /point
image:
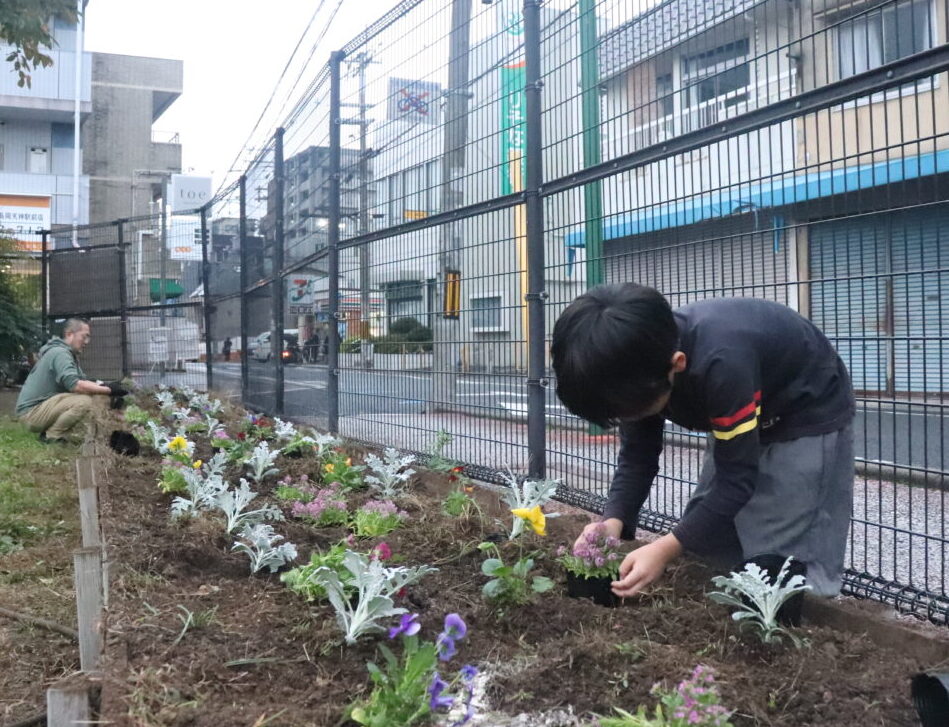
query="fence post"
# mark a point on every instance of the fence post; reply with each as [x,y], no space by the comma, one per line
[123,299]
[205,283]
[44,285]
[276,338]
[242,232]
[332,363]
[536,294]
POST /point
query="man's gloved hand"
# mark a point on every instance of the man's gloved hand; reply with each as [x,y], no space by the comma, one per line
[116,388]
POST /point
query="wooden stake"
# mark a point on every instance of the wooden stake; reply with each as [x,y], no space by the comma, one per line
[67,705]
[86,480]
[89,606]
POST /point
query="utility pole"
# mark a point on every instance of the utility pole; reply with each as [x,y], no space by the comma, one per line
[444,376]
[363,59]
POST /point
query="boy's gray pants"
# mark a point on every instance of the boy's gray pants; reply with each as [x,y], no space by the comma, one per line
[801,506]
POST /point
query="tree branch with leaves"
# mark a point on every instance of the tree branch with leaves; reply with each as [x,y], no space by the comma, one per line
[26,26]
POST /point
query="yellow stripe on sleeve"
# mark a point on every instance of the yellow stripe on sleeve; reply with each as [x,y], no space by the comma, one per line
[740,429]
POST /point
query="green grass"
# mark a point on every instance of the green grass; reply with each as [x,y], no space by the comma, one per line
[37,488]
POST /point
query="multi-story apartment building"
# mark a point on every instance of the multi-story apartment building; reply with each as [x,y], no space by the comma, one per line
[36,143]
[837,213]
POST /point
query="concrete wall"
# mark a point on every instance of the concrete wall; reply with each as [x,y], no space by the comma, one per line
[128,94]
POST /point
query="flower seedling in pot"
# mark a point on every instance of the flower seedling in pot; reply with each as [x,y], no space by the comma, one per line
[592,566]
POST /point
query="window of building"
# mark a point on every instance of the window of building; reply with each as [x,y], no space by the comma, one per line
[870,39]
[486,313]
[38,160]
[395,199]
[721,71]
[664,91]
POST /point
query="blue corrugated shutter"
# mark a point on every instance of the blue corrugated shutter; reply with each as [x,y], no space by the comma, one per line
[920,298]
[847,301]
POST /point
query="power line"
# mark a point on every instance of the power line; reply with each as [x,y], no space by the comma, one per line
[273,92]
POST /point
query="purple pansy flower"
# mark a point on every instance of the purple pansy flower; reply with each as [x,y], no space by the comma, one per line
[435,689]
[455,628]
[408,625]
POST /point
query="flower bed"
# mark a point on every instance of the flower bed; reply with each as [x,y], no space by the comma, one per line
[195,639]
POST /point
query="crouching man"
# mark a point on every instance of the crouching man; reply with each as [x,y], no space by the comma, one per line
[58,397]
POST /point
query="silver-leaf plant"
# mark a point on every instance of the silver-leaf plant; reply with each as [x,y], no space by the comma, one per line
[527,494]
[203,493]
[165,399]
[261,462]
[159,435]
[233,503]
[758,599]
[283,430]
[324,443]
[259,543]
[215,466]
[374,584]
[390,473]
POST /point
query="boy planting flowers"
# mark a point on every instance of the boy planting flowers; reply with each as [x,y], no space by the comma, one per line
[763,381]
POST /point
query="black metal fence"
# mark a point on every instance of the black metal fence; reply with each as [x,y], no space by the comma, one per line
[390,264]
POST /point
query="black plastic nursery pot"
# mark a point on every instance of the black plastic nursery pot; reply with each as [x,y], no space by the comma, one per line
[931,698]
[596,589]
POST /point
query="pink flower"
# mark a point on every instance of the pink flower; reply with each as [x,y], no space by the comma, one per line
[382,552]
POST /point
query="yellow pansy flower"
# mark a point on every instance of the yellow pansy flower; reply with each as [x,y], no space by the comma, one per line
[197,464]
[178,444]
[534,517]
[330,467]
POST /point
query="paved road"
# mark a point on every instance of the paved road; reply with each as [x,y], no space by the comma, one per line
[909,435]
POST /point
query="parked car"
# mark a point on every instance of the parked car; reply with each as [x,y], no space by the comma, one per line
[261,350]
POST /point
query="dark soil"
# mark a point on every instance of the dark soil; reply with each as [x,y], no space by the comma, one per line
[269,657]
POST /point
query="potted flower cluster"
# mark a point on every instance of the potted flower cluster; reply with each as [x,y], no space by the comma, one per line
[592,566]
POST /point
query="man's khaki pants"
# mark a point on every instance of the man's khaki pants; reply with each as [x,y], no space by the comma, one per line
[60,415]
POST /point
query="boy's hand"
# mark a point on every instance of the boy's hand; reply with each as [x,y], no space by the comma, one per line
[645,565]
[612,526]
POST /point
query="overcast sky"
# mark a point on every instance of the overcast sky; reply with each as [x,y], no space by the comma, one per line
[233,53]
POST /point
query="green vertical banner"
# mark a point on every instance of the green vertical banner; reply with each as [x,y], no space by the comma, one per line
[513,139]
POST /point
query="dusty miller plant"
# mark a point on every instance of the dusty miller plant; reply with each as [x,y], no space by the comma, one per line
[261,462]
[158,436]
[202,493]
[758,599]
[165,399]
[259,543]
[362,598]
[390,473]
[526,495]
[323,443]
[283,430]
[215,466]
[233,503]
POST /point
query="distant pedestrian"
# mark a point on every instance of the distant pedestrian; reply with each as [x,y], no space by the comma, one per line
[226,350]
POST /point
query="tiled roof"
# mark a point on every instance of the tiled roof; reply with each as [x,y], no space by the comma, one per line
[661,27]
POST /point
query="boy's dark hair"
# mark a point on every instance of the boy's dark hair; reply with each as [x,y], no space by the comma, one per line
[612,350]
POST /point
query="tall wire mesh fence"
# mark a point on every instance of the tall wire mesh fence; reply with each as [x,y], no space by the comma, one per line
[390,264]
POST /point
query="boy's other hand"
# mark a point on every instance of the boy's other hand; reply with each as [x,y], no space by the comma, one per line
[613,526]
[645,565]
